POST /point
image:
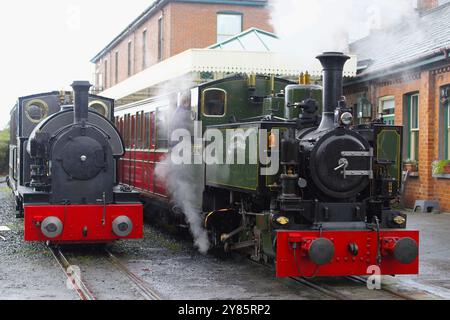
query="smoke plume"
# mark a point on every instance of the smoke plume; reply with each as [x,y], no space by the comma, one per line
[184,182]
[311,27]
[185,186]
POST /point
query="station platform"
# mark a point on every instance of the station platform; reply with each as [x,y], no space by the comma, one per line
[434,272]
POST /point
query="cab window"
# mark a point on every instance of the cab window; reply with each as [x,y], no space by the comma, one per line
[214,102]
[162,129]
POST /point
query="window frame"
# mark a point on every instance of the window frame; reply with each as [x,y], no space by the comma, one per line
[38,102]
[116,71]
[147,130]
[162,110]
[153,130]
[414,133]
[138,130]
[14,162]
[133,132]
[105,66]
[125,130]
[161,38]
[225,108]
[129,62]
[144,48]
[447,130]
[381,102]
[228,13]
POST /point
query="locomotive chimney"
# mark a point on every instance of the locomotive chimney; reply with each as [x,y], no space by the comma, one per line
[333,68]
[81,100]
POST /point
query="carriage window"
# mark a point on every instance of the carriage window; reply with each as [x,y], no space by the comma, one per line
[128,130]
[138,130]
[133,131]
[124,132]
[147,130]
[162,129]
[214,102]
[153,131]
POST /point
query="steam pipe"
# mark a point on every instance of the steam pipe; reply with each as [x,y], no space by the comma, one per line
[333,69]
[81,100]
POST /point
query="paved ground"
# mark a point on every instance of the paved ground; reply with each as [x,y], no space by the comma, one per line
[434,253]
[172,267]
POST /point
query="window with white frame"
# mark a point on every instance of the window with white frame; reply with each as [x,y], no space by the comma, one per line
[160,38]
[228,25]
[129,58]
[106,74]
[447,118]
[144,49]
[116,67]
[387,108]
[414,126]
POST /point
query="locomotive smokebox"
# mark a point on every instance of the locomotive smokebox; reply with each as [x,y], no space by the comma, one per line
[81,100]
[333,68]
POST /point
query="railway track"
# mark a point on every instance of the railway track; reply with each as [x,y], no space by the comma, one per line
[75,280]
[86,292]
[147,292]
[335,293]
[383,288]
[331,293]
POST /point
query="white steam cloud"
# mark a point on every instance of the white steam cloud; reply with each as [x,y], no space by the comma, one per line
[184,182]
[186,188]
[311,27]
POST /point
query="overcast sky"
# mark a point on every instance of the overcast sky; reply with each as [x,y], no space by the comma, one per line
[46,44]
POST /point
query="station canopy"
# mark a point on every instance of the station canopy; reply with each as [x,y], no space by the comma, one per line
[253,51]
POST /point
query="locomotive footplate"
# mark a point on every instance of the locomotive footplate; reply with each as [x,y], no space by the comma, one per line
[83,223]
[346,252]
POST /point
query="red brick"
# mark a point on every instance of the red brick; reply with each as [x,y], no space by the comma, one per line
[186,26]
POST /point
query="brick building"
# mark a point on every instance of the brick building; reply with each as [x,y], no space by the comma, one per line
[169,27]
[404,75]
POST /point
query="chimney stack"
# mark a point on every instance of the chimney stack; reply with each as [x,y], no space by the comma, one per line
[333,71]
[81,100]
[425,5]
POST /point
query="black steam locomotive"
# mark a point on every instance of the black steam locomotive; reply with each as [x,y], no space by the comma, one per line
[62,169]
[328,211]
[325,212]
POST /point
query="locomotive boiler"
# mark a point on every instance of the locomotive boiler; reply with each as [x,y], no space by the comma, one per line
[326,211]
[63,169]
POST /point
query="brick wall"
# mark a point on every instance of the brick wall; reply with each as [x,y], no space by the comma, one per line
[195,25]
[186,26]
[423,5]
[428,84]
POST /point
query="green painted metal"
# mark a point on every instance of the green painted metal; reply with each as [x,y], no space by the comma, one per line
[238,106]
[274,105]
[236,176]
[299,93]
[389,146]
[243,113]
